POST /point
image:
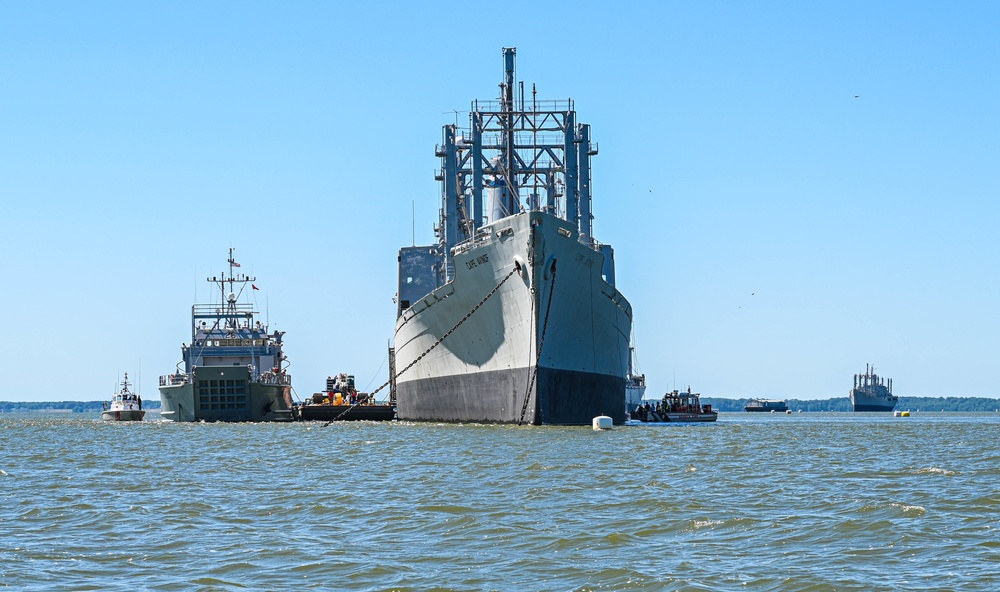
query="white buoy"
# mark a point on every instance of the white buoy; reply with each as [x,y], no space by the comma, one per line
[602,422]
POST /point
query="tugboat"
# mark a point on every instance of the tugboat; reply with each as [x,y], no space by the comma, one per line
[125,405]
[676,407]
[233,369]
[872,393]
[342,402]
[766,405]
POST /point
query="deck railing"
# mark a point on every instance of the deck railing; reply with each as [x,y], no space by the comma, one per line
[174,379]
[278,379]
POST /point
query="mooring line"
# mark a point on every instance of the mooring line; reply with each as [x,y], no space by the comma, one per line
[517,267]
[541,342]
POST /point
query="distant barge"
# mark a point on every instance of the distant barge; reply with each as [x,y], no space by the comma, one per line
[766,405]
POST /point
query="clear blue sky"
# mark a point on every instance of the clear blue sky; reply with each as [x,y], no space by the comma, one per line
[793,189]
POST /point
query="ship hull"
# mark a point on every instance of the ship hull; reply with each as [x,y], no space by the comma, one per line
[669,418]
[123,415]
[221,393]
[568,397]
[863,402]
[521,356]
[328,412]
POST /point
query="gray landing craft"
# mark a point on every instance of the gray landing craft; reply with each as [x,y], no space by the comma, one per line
[872,393]
[233,368]
[513,315]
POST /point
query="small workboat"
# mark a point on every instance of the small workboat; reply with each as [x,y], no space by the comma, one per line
[342,402]
[676,407]
[125,405]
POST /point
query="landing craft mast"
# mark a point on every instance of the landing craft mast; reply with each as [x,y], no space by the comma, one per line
[229,300]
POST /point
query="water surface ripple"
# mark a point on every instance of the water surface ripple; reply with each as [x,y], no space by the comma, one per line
[816,502]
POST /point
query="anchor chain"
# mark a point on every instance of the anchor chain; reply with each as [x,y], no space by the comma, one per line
[517,267]
[541,342]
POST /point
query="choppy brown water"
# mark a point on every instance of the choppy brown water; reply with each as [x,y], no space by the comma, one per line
[754,502]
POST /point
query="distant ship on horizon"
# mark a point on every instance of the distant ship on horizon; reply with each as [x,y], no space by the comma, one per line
[871,392]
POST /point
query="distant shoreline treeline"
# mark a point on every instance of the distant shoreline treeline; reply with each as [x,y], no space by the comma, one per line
[74,406]
[964,404]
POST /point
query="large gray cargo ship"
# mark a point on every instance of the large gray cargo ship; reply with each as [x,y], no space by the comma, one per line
[872,393]
[513,316]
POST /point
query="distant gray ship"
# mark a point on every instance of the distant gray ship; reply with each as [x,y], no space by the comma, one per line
[872,393]
[233,368]
[766,405]
[513,315]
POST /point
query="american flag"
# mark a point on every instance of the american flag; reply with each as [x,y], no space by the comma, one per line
[235,264]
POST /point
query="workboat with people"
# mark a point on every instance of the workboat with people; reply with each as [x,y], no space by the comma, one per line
[675,407]
[766,406]
[233,369]
[125,405]
[342,402]
[871,392]
[489,319]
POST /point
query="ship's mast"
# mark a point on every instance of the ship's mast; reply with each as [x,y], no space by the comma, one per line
[509,160]
[509,156]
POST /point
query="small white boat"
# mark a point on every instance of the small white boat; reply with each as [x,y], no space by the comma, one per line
[125,405]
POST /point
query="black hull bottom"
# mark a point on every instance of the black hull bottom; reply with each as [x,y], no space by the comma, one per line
[870,408]
[347,413]
[565,397]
